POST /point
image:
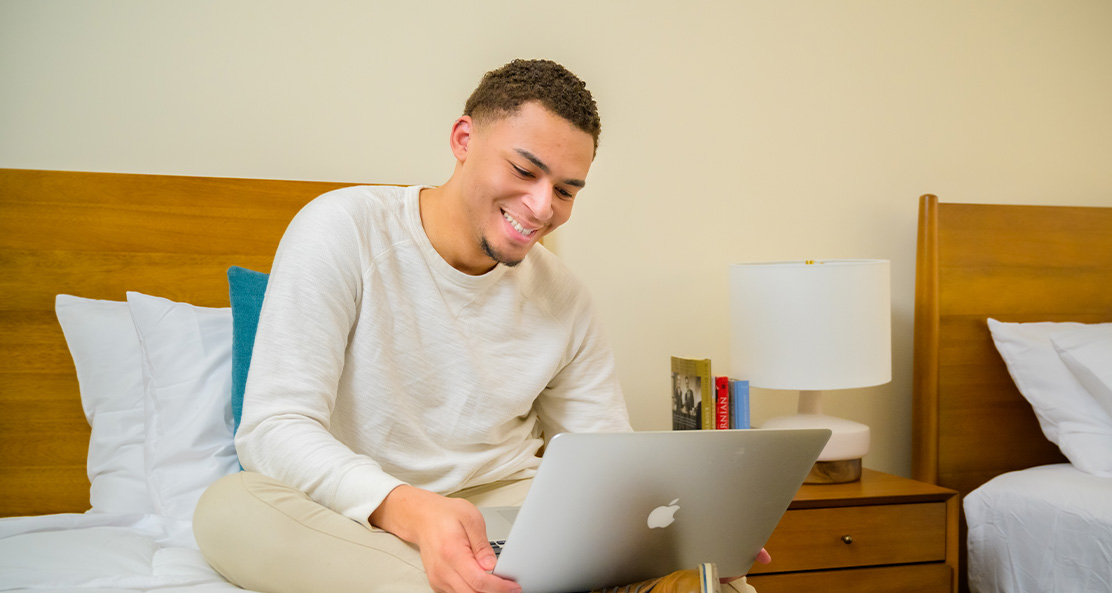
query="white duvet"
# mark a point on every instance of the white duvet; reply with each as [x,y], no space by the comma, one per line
[1046,529]
[103,553]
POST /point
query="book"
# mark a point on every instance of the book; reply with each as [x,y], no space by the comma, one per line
[739,404]
[721,403]
[692,394]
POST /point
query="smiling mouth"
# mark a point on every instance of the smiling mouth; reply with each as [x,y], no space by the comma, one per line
[517,225]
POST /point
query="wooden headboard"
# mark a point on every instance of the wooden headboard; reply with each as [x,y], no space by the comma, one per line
[1012,263]
[98,235]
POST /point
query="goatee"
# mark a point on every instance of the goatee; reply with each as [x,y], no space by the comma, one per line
[498,257]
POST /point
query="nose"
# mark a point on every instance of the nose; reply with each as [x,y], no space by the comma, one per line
[539,201]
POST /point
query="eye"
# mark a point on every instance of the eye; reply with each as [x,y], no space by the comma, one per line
[563,193]
[522,172]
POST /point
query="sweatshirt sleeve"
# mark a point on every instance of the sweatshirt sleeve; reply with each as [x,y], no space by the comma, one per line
[585,395]
[310,308]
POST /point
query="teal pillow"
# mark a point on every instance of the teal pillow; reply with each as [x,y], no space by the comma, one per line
[246,289]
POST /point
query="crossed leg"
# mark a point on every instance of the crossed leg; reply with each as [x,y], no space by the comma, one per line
[265,536]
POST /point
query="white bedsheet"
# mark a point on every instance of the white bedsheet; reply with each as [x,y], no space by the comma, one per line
[103,553]
[1046,529]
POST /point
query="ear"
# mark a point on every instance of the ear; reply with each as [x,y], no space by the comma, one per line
[460,138]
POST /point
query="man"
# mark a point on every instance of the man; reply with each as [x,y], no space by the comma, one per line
[413,348]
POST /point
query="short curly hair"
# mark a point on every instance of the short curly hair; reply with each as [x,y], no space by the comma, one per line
[501,92]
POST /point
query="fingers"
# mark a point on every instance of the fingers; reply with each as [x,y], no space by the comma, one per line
[483,582]
[465,576]
[474,526]
[484,554]
[471,579]
[457,555]
[763,557]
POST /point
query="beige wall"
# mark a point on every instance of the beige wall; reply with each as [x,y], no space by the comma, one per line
[733,130]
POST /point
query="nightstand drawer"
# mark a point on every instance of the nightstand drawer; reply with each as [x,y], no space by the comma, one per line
[840,537]
[912,578]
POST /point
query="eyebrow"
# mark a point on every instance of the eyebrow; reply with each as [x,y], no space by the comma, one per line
[543,167]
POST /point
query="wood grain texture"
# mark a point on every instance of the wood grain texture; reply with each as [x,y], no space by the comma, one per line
[1012,263]
[840,537]
[874,488]
[913,578]
[901,529]
[954,541]
[924,431]
[99,235]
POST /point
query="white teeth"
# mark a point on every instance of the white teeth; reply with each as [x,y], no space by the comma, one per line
[517,226]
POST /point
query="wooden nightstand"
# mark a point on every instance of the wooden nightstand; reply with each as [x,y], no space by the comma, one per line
[881,534]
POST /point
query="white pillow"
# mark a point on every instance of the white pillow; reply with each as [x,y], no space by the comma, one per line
[105,351]
[187,373]
[1087,353]
[1068,415]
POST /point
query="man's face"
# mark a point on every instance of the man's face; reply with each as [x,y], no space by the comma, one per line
[520,177]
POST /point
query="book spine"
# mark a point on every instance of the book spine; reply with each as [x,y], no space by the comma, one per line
[722,403]
[707,415]
[740,403]
[730,388]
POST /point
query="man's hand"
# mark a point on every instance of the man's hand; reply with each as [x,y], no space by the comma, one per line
[451,536]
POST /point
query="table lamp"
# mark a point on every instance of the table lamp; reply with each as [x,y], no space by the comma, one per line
[812,326]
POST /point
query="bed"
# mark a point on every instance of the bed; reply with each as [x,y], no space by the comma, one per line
[1034,521]
[170,240]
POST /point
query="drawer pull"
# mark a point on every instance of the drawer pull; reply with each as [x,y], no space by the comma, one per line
[847,539]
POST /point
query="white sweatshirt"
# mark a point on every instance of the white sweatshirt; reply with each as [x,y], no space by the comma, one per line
[377,363]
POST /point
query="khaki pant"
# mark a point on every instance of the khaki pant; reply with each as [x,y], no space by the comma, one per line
[265,536]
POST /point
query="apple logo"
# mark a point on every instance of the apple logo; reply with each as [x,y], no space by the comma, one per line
[663,516]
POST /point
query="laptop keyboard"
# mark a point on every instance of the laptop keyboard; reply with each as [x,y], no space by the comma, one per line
[497,545]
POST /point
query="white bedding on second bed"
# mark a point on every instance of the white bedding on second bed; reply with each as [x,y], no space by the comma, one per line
[1045,529]
[103,553]
[155,379]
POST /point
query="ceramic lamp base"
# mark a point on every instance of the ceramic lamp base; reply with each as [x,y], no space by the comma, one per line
[834,472]
[849,440]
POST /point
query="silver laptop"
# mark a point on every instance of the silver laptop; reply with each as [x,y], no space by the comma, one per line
[617,508]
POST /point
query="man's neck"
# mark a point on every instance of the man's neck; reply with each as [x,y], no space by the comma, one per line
[438,209]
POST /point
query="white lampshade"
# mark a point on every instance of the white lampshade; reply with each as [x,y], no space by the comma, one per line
[814,326]
[811,326]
